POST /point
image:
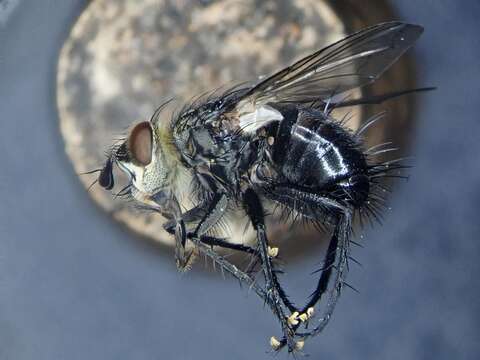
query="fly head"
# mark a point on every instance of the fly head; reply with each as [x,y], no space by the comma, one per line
[142,156]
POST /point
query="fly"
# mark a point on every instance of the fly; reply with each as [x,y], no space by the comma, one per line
[274,141]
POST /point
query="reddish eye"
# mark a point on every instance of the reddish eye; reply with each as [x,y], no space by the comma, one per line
[140,143]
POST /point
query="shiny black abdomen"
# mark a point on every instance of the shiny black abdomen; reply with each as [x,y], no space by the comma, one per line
[316,153]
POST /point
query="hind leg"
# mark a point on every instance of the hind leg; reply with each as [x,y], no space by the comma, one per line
[315,207]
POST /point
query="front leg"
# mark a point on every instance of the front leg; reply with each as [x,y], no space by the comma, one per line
[215,211]
[168,206]
[182,259]
[208,219]
[205,243]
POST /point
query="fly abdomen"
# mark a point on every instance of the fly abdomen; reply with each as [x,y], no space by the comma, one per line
[354,190]
[319,154]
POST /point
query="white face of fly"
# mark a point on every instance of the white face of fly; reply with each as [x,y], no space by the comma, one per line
[145,163]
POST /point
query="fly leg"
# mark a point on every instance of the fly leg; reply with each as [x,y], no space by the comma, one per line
[315,207]
[208,219]
[182,259]
[213,241]
[215,211]
[169,207]
[204,244]
[205,220]
[255,259]
[335,262]
[335,259]
[234,271]
[254,210]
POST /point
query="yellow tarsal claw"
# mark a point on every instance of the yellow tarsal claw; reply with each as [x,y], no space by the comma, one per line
[303,317]
[299,345]
[274,343]
[272,251]
[306,315]
[292,319]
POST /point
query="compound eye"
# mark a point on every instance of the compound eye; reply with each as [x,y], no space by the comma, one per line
[140,143]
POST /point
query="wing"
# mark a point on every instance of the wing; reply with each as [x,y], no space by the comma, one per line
[357,60]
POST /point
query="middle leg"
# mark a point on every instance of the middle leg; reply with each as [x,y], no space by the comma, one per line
[254,210]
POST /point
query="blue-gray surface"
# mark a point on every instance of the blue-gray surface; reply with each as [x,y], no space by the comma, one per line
[74,285]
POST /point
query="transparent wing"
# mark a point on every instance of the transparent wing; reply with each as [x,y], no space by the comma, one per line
[354,61]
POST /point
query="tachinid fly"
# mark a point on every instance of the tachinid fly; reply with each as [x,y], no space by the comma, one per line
[275,141]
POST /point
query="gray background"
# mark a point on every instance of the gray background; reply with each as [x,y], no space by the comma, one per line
[75,285]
